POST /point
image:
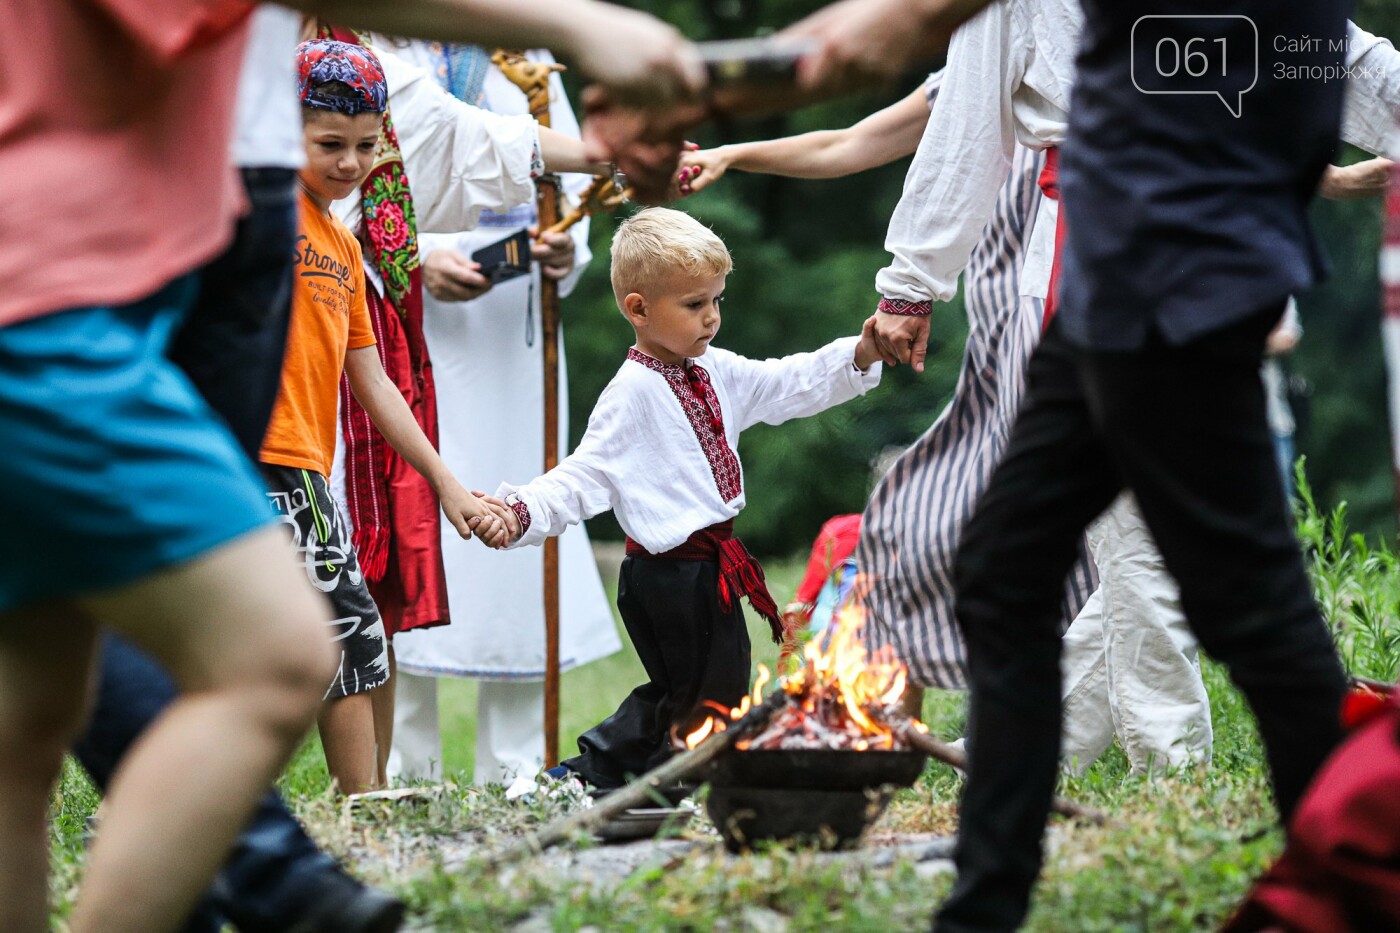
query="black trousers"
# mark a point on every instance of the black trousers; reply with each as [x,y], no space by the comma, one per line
[1184,428]
[691,650]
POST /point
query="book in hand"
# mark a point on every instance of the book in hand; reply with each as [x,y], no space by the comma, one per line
[505,259]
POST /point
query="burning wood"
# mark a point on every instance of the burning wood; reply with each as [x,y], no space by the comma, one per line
[839,699]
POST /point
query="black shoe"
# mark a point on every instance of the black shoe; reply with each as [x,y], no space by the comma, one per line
[341,904]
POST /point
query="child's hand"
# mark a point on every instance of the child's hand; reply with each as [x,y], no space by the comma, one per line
[868,350]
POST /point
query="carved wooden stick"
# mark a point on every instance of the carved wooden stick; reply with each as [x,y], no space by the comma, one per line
[687,764]
[956,758]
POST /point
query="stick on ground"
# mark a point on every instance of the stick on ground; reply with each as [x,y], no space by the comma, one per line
[957,758]
[640,792]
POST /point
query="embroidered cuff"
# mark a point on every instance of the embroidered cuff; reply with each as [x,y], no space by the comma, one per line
[908,308]
[521,510]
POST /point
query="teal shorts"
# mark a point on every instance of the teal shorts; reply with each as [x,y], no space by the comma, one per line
[112,466]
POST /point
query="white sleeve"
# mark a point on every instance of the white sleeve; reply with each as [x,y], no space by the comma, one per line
[961,163]
[460,159]
[1372,92]
[579,487]
[796,386]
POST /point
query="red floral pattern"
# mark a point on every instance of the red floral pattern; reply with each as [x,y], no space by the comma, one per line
[693,389]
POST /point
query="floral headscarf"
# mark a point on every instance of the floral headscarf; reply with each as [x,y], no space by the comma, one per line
[322,61]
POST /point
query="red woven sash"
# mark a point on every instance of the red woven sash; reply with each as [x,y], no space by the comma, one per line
[739,573]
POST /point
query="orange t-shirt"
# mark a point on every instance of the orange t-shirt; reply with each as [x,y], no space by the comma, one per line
[329,316]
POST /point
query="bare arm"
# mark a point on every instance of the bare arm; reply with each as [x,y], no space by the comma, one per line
[1368,179]
[563,153]
[391,415]
[880,138]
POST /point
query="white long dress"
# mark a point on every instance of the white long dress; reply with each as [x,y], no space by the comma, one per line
[488,362]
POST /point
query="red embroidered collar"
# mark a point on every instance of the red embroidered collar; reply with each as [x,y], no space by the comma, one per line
[692,387]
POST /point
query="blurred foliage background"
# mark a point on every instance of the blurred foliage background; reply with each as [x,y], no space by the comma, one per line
[806,254]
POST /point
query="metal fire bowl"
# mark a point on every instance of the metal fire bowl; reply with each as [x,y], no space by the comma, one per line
[816,769]
[814,797]
[828,819]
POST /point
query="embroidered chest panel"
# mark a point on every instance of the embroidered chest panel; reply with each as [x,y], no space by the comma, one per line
[693,389]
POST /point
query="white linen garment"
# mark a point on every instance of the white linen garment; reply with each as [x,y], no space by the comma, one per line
[488,362]
[1007,80]
[651,457]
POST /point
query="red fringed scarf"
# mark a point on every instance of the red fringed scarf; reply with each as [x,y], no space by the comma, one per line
[739,573]
[394,512]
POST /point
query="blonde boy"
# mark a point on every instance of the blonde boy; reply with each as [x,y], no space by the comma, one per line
[661,451]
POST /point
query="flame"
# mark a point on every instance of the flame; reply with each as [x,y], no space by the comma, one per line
[833,692]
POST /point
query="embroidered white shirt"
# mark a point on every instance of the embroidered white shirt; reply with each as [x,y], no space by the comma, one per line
[666,462]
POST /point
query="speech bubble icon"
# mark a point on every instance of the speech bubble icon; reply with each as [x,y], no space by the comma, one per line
[1214,54]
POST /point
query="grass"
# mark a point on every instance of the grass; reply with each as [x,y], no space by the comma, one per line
[1183,852]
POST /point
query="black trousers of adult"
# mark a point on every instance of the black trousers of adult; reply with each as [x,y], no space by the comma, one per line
[1184,428]
[691,649]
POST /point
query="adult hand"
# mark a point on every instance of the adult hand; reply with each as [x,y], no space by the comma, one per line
[450,276]
[1368,179]
[862,42]
[554,252]
[641,60]
[702,168]
[645,144]
[902,338]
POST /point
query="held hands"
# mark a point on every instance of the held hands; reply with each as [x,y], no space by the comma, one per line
[504,512]
[897,338]
[868,350]
[450,276]
[469,514]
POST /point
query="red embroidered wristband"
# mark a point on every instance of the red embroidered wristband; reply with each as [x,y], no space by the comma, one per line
[907,308]
[521,510]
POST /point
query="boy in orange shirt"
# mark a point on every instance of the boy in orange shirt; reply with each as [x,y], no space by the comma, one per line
[343,95]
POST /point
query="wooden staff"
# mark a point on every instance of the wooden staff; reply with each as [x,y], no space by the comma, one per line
[641,792]
[533,79]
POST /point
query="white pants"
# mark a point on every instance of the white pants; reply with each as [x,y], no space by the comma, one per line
[509,730]
[1129,664]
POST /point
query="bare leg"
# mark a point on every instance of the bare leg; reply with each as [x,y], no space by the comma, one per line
[382,699]
[347,735]
[244,637]
[45,665]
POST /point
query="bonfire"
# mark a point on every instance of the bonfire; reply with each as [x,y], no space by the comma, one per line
[842,697]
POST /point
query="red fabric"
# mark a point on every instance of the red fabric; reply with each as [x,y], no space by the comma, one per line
[1050,187]
[835,542]
[394,511]
[1341,868]
[739,573]
[397,520]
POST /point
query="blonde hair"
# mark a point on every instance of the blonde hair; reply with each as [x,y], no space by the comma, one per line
[655,242]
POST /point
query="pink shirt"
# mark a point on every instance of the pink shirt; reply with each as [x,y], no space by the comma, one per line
[115,119]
